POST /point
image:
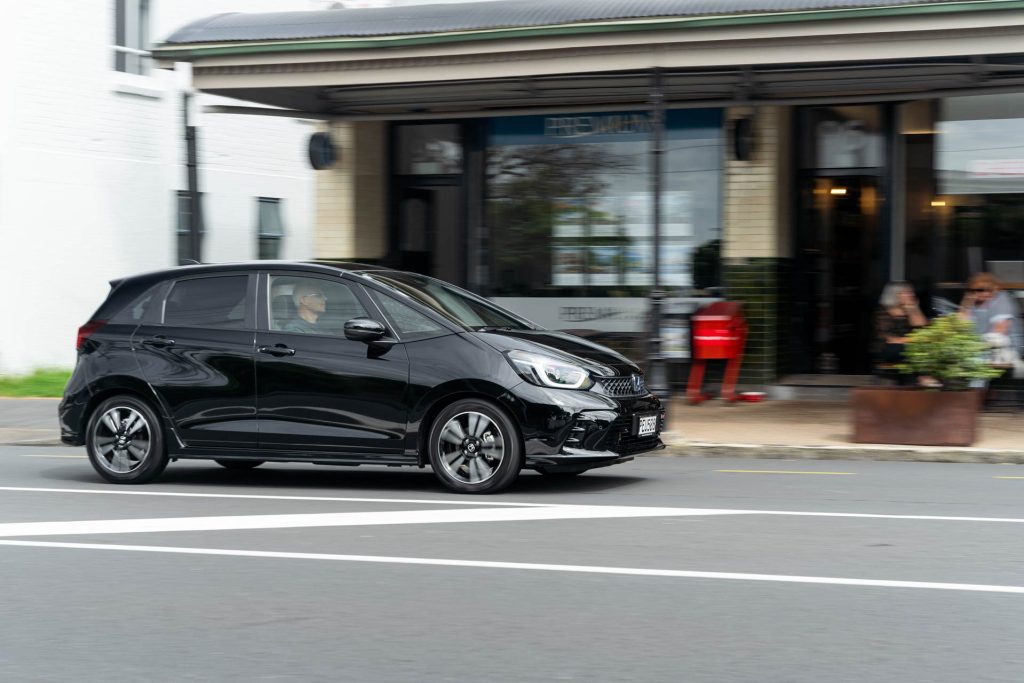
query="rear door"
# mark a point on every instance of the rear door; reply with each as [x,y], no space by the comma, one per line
[196,351]
[319,391]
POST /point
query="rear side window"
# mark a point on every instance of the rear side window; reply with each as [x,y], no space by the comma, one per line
[217,302]
[134,312]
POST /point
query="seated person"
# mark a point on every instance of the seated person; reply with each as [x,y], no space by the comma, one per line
[994,313]
[310,304]
[898,315]
[996,318]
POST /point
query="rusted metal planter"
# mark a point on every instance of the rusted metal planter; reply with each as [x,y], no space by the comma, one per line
[915,417]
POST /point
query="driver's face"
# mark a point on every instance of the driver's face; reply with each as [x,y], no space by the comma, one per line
[315,300]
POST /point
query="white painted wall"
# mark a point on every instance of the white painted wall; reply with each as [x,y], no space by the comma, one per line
[90,160]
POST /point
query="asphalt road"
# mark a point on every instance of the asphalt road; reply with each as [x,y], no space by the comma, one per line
[665,569]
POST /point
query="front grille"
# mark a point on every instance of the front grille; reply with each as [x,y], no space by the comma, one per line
[622,387]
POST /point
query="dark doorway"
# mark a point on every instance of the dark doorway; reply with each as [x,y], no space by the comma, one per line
[841,237]
[841,270]
[428,232]
[431,230]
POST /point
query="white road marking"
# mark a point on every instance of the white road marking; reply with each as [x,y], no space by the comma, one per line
[337,519]
[489,503]
[47,455]
[583,569]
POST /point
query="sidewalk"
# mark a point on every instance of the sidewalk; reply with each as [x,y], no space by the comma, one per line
[29,421]
[819,430]
[772,429]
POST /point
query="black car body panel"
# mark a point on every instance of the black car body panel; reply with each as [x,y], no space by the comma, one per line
[246,391]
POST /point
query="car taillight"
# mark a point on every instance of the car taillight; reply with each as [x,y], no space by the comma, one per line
[86,331]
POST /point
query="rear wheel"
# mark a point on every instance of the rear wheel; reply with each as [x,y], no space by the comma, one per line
[239,464]
[125,441]
[474,447]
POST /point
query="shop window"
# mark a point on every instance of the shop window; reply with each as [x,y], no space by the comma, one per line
[571,210]
[270,228]
[131,36]
[975,208]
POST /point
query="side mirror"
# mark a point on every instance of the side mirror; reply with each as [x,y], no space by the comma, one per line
[364,330]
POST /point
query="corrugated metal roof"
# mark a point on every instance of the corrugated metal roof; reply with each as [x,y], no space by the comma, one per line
[476,16]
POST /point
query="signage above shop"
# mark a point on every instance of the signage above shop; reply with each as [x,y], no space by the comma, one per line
[583,126]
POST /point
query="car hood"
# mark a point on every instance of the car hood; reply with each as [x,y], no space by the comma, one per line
[599,360]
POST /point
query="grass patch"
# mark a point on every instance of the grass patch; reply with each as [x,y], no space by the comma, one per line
[47,382]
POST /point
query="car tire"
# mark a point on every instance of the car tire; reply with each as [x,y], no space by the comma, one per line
[125,441]
[239,464]
[474,447]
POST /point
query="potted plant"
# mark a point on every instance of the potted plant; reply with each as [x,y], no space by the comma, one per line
[941,412]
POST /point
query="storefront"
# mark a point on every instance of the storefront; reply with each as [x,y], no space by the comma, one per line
[567,235]
[516,156]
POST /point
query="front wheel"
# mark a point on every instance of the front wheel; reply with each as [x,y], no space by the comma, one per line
[125,441]
[474,447]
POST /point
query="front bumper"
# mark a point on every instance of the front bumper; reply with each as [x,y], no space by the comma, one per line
[577,430]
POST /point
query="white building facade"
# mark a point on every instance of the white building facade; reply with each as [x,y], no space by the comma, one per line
[92,163]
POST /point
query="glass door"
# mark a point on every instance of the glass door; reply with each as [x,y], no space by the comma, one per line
[842,266]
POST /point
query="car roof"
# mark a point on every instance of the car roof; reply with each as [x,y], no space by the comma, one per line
[322,266]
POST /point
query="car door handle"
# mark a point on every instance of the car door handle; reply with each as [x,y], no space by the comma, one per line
[158,341]
[277,350]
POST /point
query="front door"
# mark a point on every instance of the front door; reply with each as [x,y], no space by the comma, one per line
[841,237]
[197,355]
[319,391]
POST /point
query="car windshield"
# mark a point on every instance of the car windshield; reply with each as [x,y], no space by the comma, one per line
[458,305]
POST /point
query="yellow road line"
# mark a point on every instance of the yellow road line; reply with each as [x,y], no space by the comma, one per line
[47,455]
[1008,477]
[779,472]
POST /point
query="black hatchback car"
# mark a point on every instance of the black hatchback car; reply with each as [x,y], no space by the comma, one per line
[343,364]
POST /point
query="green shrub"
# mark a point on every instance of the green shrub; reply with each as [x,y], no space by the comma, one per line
[949,350]
[46,383]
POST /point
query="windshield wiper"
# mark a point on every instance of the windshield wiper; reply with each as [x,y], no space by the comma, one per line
[494,328]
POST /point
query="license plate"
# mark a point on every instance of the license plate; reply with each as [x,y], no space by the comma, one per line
[646,425]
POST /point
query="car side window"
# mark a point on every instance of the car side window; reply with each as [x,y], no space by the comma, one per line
[310,305]
[214,302]
[408,322]
[134,312]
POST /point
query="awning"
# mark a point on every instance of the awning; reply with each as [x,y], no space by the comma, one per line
[486,59]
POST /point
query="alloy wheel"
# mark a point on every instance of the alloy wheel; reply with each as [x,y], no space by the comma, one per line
[471,447]
[122,440]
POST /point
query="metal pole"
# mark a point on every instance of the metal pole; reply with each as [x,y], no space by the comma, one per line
[195,216]
[655,363]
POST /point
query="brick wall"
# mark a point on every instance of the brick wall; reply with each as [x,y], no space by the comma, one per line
[756,229]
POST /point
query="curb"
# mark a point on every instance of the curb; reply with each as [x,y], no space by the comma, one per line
[855,452]
[29,437]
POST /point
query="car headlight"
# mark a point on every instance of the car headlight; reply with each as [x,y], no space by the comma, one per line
[549,372]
